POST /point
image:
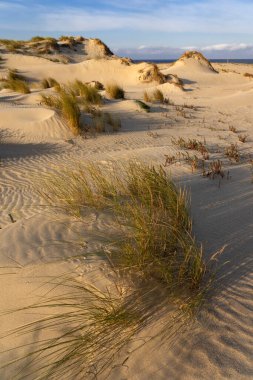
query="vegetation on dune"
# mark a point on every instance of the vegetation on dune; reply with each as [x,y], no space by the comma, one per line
[12,45]
[152,74]
[67,106]
[114,91]
[70,100]
[148,201]
[49,83]
[143,105]
[17,85]
[248,75]
[157,268]
[105,122]
[87,93]
[16,82]
[154,96]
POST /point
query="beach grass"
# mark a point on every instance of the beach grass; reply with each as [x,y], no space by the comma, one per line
[157,267]
[114,91]
[68,107]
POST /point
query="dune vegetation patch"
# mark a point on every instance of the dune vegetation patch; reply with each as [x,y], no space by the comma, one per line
[68,107]
[154,96]
[49,83]
[143,105]
[15,82]
[157,269]
[114,91]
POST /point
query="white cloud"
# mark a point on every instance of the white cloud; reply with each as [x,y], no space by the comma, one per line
[207,16]
[229,47]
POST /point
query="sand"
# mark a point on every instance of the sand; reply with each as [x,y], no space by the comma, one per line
[34,140]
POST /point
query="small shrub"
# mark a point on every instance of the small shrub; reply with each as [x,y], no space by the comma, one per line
[37,39]
[191,144]
[232,129]
[232,152]
[242,138]
[248,75]
[114,91]
[215,169]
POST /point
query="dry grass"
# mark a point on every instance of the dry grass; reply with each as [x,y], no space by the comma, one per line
[154,96]
[192,144]
[248,75]
[16,82]
[232,152]
[68,107]
[242,138]
[232,129]
[143,196]
[156,262]
[104,122]
[87,93]
[49,83]
[114,91]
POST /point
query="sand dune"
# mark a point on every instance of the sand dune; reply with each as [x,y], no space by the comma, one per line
[35,141]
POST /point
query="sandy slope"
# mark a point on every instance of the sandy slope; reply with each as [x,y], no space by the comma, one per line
[34,141]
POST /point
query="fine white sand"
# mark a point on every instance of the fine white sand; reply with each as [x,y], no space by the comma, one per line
[34,140]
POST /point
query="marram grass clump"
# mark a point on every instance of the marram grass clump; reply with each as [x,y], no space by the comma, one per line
[157,268]
[68,107]
[114,91]
[87,93]
[160,241]
[16,82]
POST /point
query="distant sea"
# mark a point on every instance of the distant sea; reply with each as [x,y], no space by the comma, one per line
[245,61]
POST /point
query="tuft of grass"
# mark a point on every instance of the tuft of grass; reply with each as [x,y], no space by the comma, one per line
[160,240]
[114,91]
[16,82]
[215,169]
[146,97]
[242,138]
[232,129]
[232,152]
[143,105]
[105,122]
[68,107]
[248,75]
[49,83]
[155,96]
[87,93]
[158,96]
[17,85]
[192,144]
[156,260]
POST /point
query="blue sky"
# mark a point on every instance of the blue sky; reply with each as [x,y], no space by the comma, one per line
[139,28]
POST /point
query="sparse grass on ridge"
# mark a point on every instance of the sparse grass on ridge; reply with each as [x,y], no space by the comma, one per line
[155,249]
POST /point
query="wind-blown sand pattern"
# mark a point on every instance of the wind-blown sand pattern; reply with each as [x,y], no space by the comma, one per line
[34,140]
